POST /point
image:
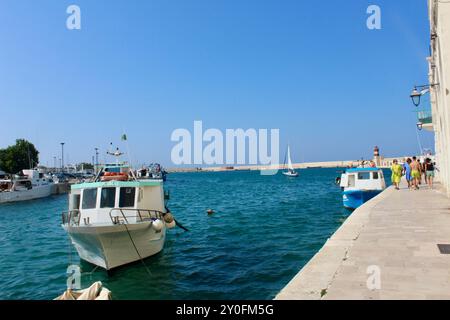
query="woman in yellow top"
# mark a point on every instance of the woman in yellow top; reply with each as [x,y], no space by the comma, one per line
[396,174]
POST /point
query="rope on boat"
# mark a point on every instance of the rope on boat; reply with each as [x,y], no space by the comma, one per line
[137,251]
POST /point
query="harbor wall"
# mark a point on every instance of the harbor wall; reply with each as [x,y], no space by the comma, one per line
[61,188]
[385,163]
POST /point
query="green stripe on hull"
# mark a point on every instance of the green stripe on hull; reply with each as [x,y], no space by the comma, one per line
[150,183]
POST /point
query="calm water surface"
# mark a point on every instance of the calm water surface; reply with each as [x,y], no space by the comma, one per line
[264,230]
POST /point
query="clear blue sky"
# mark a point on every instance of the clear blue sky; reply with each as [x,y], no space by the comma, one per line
[310,68]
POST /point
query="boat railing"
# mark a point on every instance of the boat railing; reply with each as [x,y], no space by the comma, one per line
[124,215]
[71,217]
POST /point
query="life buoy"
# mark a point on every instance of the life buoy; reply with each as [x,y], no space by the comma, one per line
[115,176]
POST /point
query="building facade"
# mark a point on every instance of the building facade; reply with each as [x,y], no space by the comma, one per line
[439,80]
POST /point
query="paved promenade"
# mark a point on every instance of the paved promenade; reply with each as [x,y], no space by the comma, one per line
[389,243]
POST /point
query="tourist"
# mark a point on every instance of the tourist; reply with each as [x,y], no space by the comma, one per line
[424,171]
[396,174]
[429,172]
[372,164]
[407,171]
[415,173]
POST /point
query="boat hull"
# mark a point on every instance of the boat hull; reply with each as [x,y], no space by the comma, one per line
[288,174]
[355,198]
[24,195]
[112,246]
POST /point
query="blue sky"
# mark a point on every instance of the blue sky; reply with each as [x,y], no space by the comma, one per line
[310,68]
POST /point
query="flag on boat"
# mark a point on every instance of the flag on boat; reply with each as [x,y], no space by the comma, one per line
[124,137]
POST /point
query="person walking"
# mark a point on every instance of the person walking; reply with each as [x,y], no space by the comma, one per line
[424,171]
[407,172]
[396,174]
[415,173]
[429,172]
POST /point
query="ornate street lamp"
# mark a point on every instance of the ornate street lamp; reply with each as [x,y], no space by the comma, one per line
[419,125]
[415,97]
[419,91]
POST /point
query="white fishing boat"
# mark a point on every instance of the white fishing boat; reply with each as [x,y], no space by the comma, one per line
[117,219]
[290,168]
[359,185]
[30,184]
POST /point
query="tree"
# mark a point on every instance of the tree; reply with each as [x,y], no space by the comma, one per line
[85,166]
[22,155]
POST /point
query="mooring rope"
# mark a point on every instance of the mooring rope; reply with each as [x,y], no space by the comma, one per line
[137,251]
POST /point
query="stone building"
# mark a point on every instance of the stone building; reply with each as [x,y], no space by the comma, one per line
[439,82]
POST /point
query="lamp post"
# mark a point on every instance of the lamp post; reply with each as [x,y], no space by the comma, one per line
[419,91]
[62,156]
[96,160]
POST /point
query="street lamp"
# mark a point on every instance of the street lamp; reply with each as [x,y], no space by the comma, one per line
[415,97]
[419,125]
[419,91]
[62,156]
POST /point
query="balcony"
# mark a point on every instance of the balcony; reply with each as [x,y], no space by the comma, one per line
[425,117]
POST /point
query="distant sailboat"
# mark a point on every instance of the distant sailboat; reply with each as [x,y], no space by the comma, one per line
[290,172]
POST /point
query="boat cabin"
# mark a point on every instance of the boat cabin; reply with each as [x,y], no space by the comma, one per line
[26,180]
[363,179]
[100,202]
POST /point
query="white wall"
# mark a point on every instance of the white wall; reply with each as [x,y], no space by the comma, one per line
[439,72]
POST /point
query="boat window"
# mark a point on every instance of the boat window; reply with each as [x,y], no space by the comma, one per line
[351,180]
[89,198]
[363,175]
[126,197]
[108,198]
[375,175]
[75,202]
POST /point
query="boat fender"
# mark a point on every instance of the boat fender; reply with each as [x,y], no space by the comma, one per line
[157,225]
[171,225]
[338,180]
[168,217]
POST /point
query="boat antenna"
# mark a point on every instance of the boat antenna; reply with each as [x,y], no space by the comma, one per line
[115,153]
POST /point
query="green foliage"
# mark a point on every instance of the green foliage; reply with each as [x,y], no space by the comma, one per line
[22,155]
[85,166]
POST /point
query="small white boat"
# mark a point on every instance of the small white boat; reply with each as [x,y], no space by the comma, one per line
[359,185]
[290,172]
[31,184]
[117,219]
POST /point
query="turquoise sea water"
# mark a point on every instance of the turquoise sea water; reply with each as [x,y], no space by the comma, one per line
[264,230]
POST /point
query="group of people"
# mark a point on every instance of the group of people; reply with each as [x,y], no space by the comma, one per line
[413,170]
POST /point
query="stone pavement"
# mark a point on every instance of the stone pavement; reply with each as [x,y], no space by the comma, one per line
[386,249]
